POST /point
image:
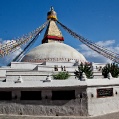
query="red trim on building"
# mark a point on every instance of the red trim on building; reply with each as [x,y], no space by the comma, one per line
[53,38]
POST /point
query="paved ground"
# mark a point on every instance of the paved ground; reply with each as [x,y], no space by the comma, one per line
[108,116]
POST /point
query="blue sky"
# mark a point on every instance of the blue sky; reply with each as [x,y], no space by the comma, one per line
[97,20]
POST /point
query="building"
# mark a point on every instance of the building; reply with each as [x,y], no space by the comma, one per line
[27,87]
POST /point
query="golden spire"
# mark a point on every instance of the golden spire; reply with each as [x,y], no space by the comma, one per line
[53,33]
[52,14]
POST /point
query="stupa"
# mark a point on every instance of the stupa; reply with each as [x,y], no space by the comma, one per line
[28,88]
[53,48]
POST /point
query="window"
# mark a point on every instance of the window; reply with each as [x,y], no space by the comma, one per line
[63,95]
[5,95]
[30,95]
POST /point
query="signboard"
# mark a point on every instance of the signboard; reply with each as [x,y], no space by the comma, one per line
[104,92]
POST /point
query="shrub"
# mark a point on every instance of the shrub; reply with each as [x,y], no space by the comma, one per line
[86,68]
[61,75]
[113,68]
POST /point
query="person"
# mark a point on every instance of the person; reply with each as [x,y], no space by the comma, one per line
[64,68]
[56,68]
[61,68]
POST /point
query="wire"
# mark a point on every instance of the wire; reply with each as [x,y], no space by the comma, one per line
[18,57]
[99,49]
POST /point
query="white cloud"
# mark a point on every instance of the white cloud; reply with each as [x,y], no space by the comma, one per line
[7,59]
[106,43]
[93,56]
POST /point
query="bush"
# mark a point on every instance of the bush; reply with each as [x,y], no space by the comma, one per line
[86,68]
[61,75]
[112,68]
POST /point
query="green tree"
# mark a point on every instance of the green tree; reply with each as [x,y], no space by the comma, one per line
[61,75]
[86,68]
[113,68]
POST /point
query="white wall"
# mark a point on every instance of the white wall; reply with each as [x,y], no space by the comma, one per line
[23,65]
[103,105]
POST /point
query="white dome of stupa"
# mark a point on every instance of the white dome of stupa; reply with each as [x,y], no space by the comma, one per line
[53,52]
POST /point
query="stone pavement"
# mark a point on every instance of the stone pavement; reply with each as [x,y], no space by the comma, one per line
[108,116]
